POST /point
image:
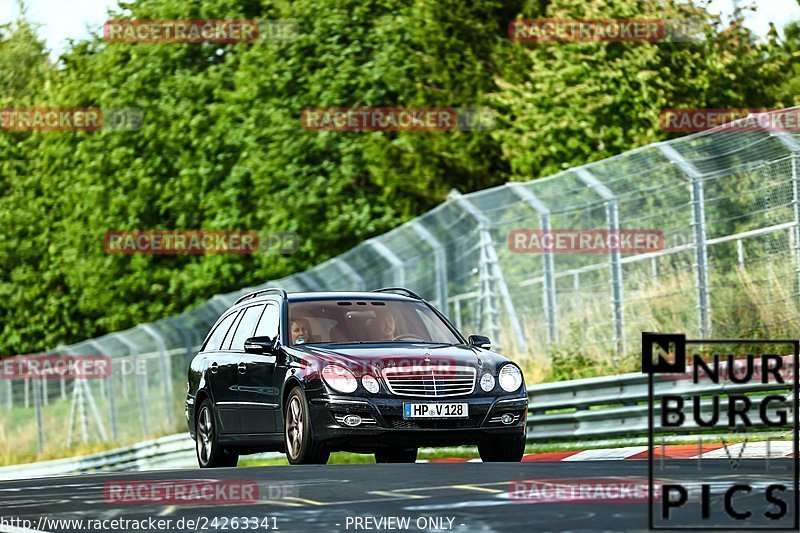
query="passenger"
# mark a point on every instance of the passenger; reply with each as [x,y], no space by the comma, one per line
[300,331]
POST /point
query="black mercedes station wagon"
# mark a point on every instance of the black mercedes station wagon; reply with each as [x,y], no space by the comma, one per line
[378,372]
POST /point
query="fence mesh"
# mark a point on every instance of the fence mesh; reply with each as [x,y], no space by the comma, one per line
[727,203]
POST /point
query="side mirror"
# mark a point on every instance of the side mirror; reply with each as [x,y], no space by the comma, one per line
[259,345]
[480,341]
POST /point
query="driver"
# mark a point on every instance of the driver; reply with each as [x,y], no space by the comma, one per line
[386,325]
[300,331]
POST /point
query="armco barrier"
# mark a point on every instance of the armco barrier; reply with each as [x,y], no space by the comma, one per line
[173,451]
[592,408]
[610,407]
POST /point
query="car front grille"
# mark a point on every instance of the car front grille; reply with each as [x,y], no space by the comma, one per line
[432,381]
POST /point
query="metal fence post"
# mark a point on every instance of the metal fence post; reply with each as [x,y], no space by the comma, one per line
[793,146]
[110,392]
[549,293]
[397,264]
[796,228]
[44,390]
[699,225]
[612,218]
[488,316]
[151,330]
[457,313]
[37,401]
[350,272]
[99,349]
[140,391]
[62,380]
[81,397]
[491,264]
[439,258]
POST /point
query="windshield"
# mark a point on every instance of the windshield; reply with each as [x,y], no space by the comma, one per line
[365,321]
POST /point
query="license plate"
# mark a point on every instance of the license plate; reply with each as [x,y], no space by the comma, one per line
[435,410]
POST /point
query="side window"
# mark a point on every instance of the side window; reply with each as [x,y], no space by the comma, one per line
[246,326]
[215,341]
[268,325]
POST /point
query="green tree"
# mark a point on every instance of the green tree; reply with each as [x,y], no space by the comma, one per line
[222,147]
[567,104]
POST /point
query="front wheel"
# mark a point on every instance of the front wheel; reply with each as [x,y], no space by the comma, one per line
[503,450]
[396,455]
[301,448]
[209,453]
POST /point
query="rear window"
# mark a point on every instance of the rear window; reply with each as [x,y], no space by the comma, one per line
[215,341]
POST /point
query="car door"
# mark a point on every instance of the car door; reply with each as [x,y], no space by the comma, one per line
[221,374]
[258,392]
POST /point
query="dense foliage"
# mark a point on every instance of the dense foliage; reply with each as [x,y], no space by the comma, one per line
[221,145]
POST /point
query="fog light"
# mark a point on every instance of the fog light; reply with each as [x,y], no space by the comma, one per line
[507,418]
[352,420]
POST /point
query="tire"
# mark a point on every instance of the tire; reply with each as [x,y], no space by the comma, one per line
[506,450]
[209,453]
[298,435]
[396,455]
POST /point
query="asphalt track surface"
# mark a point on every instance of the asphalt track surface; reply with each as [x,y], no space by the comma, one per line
[434,497]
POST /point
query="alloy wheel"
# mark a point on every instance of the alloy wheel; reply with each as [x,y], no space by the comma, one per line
[204,436]
[294,429]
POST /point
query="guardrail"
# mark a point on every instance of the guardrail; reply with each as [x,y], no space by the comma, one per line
[597,408]
[172,451]
[615,406]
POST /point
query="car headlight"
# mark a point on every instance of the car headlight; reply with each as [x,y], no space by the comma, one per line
[370,383]
[487,382]
[510,377]
[339,378]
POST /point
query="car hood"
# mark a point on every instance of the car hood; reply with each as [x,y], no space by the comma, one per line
[371,356]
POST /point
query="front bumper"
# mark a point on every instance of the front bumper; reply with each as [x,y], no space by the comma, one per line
[383,424]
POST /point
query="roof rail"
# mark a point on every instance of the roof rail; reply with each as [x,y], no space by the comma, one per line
[262,291]
[407,292]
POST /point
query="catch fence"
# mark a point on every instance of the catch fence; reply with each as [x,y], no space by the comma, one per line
[728,204]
